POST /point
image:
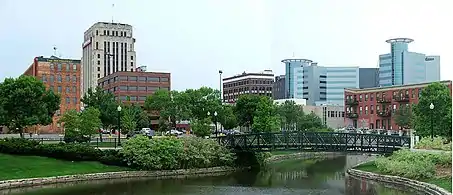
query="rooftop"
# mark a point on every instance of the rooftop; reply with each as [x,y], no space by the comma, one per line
[56,59]
[356,90]
[402,40]
[262,73]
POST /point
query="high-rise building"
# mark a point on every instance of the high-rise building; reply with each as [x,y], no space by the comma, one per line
[339,78]
[247,83]
[62,76]
[107,48]
[401,67]
[278,88]
[368,77]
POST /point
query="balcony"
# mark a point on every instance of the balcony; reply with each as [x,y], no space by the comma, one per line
[351,102]
[402,98]
[384,113]
[383,100]
[352,115]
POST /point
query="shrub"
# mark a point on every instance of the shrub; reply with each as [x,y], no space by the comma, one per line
[112,157]
[438,143]
[18,146]
[413,165]
[172,153]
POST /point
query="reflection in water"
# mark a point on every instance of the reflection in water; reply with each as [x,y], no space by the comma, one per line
[288,177]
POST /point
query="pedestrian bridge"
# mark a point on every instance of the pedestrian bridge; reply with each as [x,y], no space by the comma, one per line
[316,141]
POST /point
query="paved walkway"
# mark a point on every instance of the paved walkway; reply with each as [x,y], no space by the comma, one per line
[109,148]
[431,151]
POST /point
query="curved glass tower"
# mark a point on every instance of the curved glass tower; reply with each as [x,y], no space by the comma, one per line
[294,76]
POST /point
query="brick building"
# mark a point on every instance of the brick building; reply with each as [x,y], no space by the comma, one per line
[62,76]
[134,87]
[373,107]
[247,83]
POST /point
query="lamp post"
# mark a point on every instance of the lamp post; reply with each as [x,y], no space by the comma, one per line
[119,124]
[220,85]
[431,107]
[215,123]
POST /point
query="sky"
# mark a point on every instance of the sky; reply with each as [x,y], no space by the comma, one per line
[195,39]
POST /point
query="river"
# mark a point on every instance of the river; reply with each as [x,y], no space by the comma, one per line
[304,177]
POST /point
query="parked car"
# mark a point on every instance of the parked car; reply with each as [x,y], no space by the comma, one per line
[174,132]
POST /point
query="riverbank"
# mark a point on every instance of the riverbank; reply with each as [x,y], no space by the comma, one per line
[440,183]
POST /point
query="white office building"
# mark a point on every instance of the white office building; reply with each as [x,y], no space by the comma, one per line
[107,48]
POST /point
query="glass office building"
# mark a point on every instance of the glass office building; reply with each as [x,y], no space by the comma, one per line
[401,67]
[339,78]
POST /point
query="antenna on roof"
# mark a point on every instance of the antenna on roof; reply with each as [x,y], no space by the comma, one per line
[113,11]
[54,51]
[293,54]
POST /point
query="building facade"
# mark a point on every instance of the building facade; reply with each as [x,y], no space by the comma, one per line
[368,77]
[373,108]
[247,83]
[107,48]
[337,79]
[278,88]
[331,115]
[134,87]
[401,67]
[63,76]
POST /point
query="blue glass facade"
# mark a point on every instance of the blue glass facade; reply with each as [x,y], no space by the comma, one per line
[339,78]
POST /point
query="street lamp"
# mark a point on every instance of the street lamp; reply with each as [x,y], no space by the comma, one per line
[215,123]
[220,84]
[119,124]
[431,107]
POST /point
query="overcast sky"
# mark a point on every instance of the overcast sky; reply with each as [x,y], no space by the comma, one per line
[193,39]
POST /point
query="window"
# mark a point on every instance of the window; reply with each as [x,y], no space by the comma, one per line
[68,100]
[105,33]
[74,78]
[97,32]
[99,75]
[371,109]
[163,79]
[99,68]
[108,33]
[44,78]
[97,45]
[413,93]
[142,79]
[419,92]
[68,78]
[132,78]
[366,97]
[360,110]
[74,89]
[133,98]
[123,88]
[394,108]
[132,88]
[74,67]
[150,88]
[51,78]
[51,67]
[377,108]
[132,57]
[366,110]
[68,67]
[58,67]
[142,88]
[371,96]
[59,78]
[116,33]
[141,98]
[123,78]
[132,64]
[360,97]
[99,55]
[132,70]
[153,79]
[59,89]
[74,100]
[68,90]
[51,88]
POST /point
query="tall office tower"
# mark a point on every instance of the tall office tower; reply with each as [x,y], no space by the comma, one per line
[278,88]
[339,78]
[107,48]
[401,67]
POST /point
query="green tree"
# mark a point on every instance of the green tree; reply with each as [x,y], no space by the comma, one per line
[80,127]
[266,118]
[201,128]
[309,122]
[105,103]
[200,101]
[437,119]
[245,109]
[144,120]
[227,117]
[129,120]
[169,104]
[289,113]
[403,117]
[24,102]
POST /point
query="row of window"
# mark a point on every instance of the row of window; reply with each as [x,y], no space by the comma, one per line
[68,90]
[408,93]
[59,78]
[68,100]
[137,88]
[235,97]
[59,67]
[249,81]
[131,98]
[364,109]
[113,33]
[255,88]
[135,79]
[335,114]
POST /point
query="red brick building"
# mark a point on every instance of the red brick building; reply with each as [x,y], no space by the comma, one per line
[247,83]
[62,76]
[134,87]
[373,107]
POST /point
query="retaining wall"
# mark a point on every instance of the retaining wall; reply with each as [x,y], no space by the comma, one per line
[18,183]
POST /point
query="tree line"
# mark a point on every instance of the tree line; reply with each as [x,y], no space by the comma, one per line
[25,101]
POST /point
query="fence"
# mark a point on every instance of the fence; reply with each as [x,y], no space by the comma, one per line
[95,142]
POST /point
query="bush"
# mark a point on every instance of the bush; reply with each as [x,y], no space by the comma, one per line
[414,165]
[438,143]
[18,146]
[171,153]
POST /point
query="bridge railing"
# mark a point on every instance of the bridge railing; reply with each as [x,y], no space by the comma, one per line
[315,141]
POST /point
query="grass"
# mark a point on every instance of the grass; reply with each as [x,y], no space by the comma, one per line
[443,182]
[18,167]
